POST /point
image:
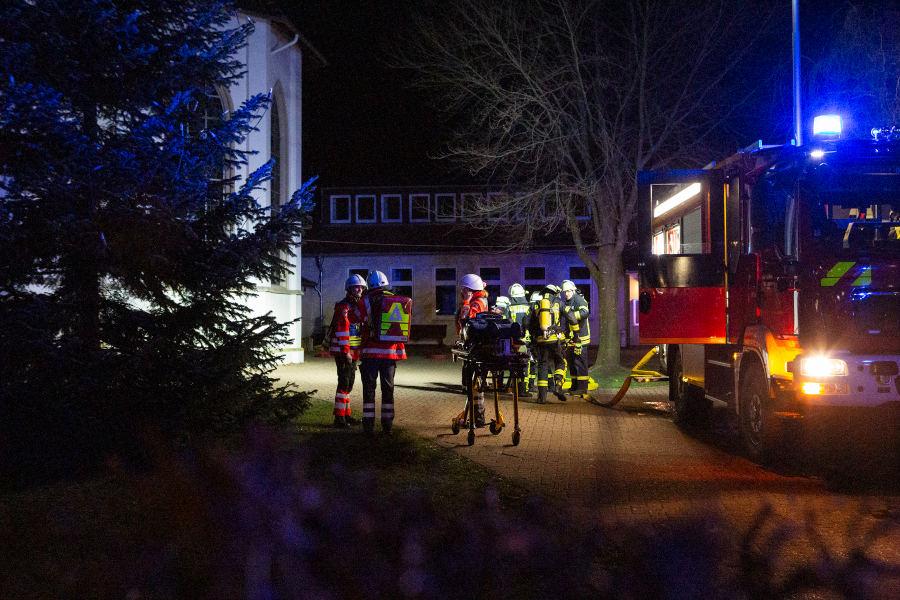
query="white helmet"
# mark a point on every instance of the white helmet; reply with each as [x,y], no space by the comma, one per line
[568,286]
[354,280]
[502,302]
[552,288]
[472,281]
[516,290]
[377,279]
[535,296]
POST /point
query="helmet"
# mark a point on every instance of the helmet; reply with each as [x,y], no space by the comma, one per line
[552,288]
[472,281]
[568,286]
[377,279]
[355,280]
[502,301]
[535,296]
[516,290]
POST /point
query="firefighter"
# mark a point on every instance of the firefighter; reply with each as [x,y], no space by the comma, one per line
[386,318]
[518,313]
[546,334]
[532,364]
[501,307]
[474,300]
[577,320]
[344,347]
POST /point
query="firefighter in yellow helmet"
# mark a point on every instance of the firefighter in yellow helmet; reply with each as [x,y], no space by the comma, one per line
[576,316]
[546,335]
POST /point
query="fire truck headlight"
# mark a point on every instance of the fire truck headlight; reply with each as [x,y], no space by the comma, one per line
[820,366]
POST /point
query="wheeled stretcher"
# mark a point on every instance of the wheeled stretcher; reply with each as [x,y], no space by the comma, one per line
[489,346]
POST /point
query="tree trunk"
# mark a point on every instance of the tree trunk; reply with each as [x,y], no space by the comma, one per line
[609,262]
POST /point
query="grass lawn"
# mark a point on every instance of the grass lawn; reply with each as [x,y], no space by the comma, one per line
[191,520]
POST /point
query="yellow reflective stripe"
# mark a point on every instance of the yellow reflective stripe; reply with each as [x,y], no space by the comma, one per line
[542,383]
[865,278]
[836,272]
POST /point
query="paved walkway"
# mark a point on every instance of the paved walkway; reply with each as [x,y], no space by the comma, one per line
[626,465]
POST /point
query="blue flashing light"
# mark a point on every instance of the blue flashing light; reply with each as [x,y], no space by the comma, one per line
[827,125]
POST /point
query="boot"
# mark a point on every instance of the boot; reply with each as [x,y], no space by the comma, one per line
[351,420]
[479,415]
[340,421]
[368,426]
[386,427]
[542,395]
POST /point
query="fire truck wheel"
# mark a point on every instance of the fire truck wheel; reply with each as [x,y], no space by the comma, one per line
[689,408]
[760,428]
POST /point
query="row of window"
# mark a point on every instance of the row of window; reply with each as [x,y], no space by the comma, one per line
[445,290]
[412,208]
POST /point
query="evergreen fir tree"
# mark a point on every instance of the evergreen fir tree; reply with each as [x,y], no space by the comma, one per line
[124,269]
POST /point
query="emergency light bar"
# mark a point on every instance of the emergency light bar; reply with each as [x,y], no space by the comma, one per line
[677,199]
[827,125]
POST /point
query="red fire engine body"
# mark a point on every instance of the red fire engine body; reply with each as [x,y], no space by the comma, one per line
[772,282]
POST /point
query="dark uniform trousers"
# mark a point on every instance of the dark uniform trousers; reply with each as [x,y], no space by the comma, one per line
[346,372]
[371,370]
[550,368]
[578,367]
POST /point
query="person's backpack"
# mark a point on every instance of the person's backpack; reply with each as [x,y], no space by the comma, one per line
[390,317]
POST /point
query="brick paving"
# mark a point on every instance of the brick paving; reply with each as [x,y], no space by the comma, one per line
[625,465]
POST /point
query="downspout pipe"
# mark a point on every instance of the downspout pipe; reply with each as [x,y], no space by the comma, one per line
[288,45]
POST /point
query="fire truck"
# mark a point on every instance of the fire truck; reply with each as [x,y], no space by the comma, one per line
[771,280]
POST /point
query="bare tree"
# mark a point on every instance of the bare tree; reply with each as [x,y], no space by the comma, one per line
[566,100]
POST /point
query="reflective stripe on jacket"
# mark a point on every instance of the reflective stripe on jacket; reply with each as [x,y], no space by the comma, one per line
[580,330]
[345,330]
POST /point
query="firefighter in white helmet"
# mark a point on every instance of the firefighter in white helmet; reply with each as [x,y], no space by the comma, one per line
[576,315]
[386,316]
[546,335]
[501,307]
[519,309]
[344,343]
[473,300]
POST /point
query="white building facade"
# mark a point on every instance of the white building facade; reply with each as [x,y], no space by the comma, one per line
[274,60]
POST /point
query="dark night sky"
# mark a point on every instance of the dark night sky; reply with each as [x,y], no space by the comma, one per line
[364,124]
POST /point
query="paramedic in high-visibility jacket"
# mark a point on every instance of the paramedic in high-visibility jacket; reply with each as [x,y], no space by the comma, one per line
[385,317]
[577,319]
[473,300]
[344,345]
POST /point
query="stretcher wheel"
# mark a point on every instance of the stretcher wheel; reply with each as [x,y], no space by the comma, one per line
[471,437]
[454,426]
[495,429]
[516,438]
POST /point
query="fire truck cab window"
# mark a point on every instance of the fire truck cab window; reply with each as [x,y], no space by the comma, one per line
[677,213]
[774,223]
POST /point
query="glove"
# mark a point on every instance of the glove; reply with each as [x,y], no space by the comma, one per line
[577,350]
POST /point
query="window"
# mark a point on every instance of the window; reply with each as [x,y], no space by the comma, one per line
[579,273]
[209,115]
[275,153]
[358,271]
[391,208]
[340,209]
[445,291]
[535,274]
[470,203]
[445,274]
[580,208]
[491,277]
[490,273]
[365,209]
[678,218]
[499,205]
[585,289]
[418,208]
[445,207]
[401,281]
